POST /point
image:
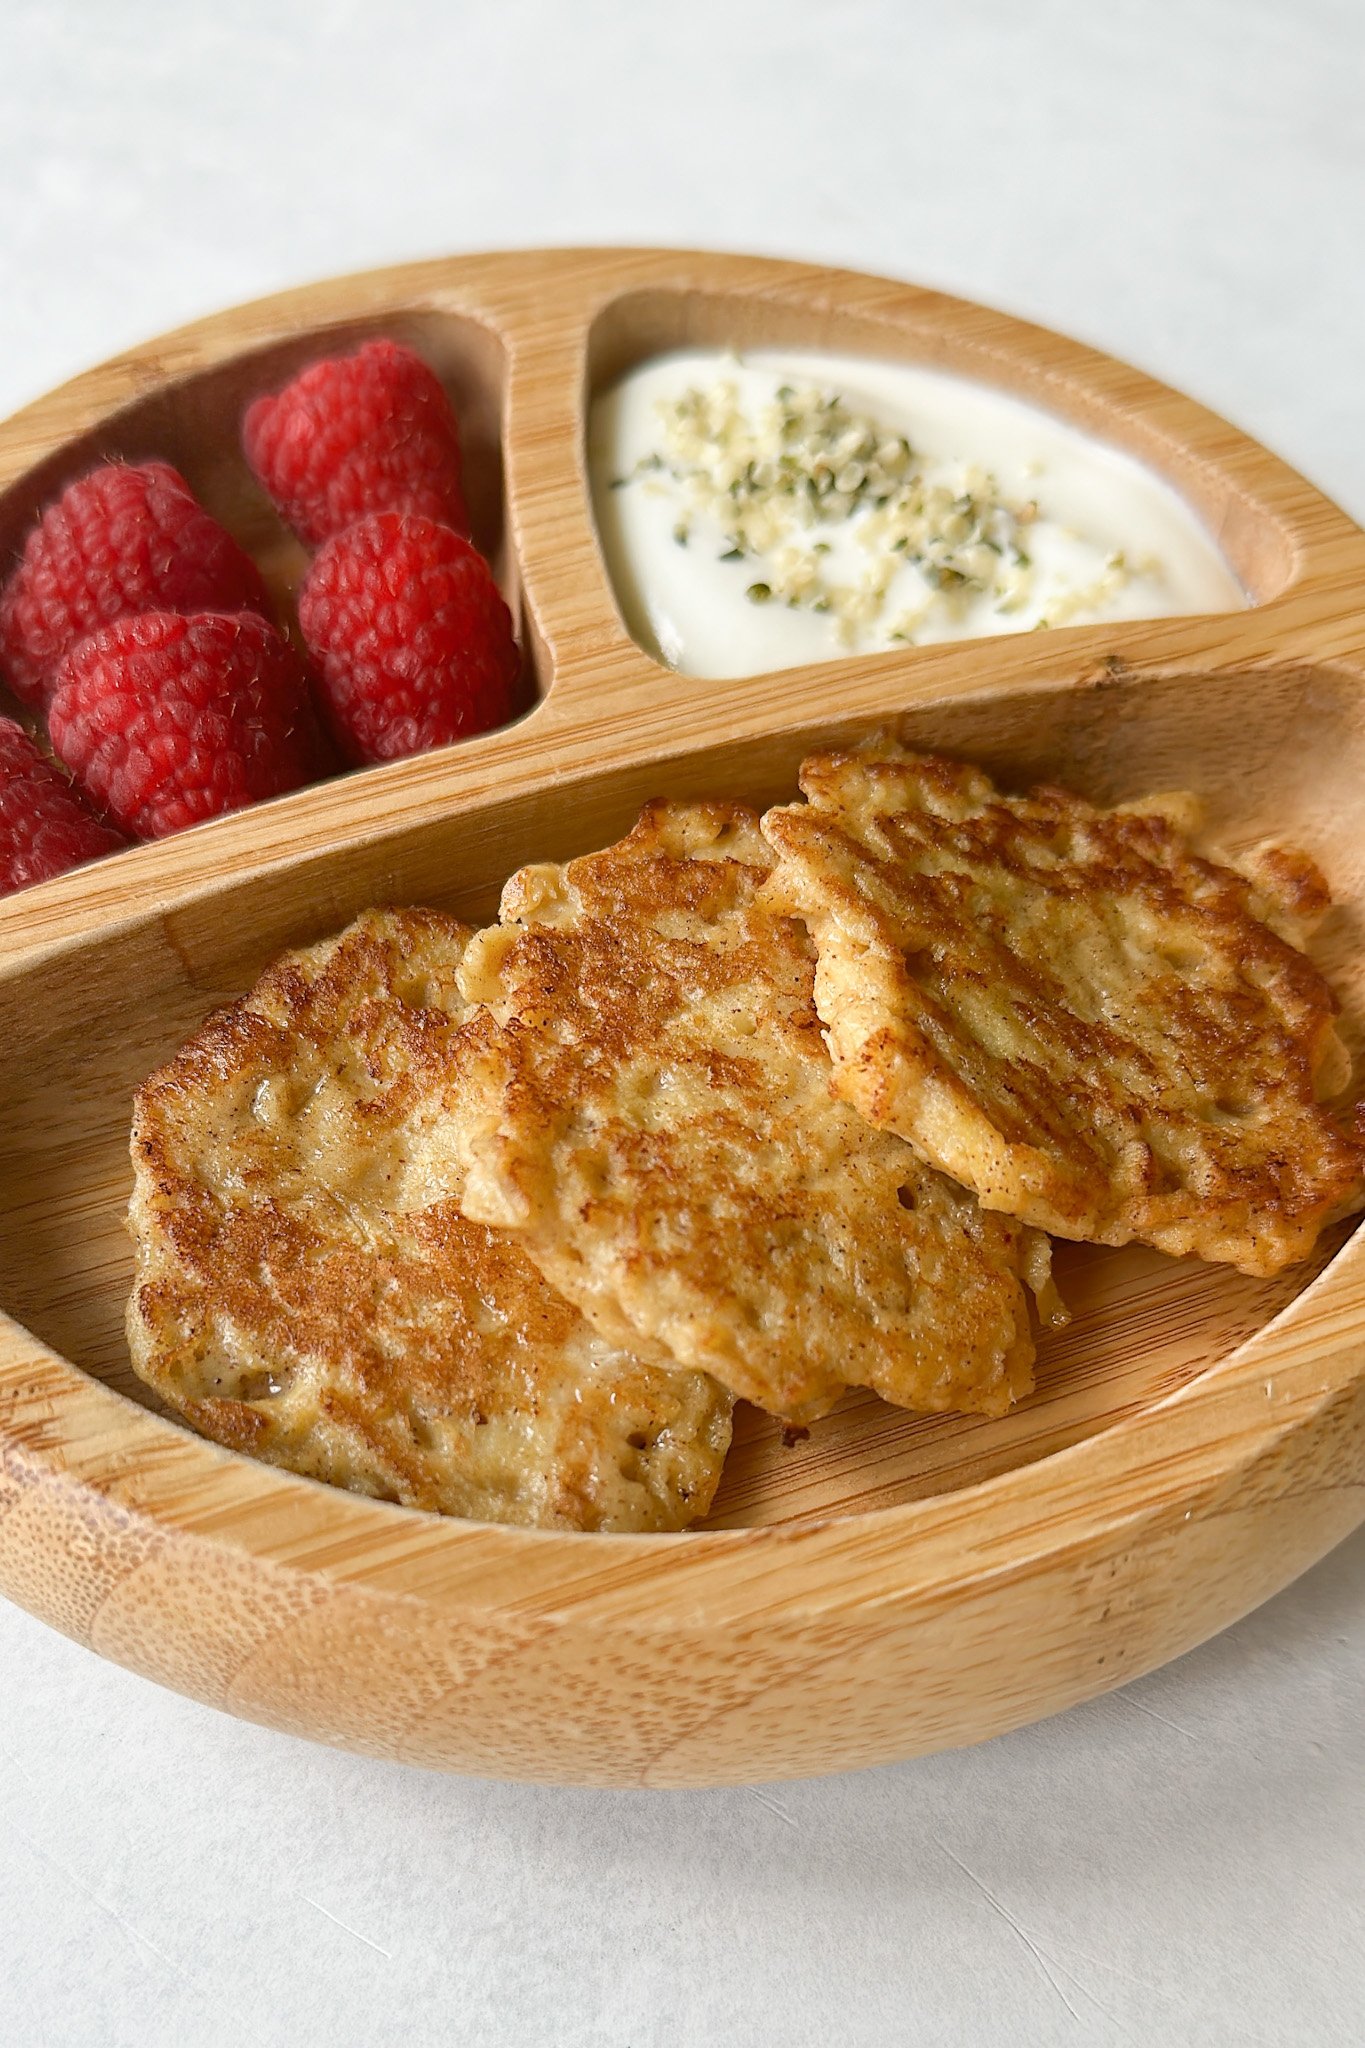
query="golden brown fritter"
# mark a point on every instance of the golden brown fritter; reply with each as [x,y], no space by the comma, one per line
[653,1114]
[1099,1030]
[308,1291]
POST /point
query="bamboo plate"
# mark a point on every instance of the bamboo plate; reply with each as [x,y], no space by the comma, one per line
[894,1584]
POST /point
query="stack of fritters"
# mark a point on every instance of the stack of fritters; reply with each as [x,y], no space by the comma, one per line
[499,1224]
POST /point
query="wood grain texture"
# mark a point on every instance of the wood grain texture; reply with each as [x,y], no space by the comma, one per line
[894,1583]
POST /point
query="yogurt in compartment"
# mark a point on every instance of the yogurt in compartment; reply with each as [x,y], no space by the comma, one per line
[782,507]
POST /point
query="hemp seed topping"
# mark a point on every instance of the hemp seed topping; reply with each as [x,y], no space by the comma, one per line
[769,479]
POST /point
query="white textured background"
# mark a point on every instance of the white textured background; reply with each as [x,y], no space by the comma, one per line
[1179,181]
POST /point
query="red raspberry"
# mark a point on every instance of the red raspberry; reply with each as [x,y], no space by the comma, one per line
[411,635]
[45,826]
[120,540]
[165,720]
[372,432]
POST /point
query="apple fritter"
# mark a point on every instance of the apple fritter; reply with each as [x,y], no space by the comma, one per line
[653,1114]
[308,1291]
[1100,1030]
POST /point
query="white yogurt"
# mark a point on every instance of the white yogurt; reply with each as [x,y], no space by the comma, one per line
[1059,529]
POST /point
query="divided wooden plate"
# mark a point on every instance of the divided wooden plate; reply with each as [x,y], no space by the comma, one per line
[894,1584]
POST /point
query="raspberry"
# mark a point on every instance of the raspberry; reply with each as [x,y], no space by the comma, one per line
[411,636]
[45,827]
[372,432]
[165,720]
[120,540]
